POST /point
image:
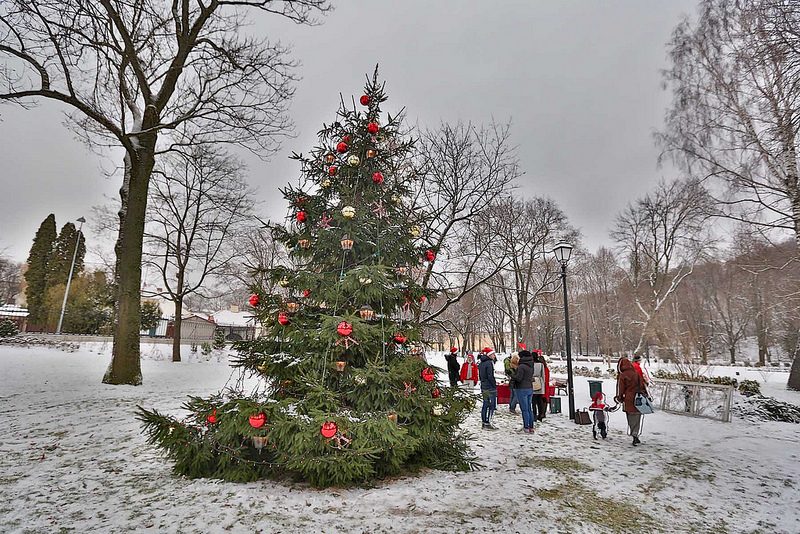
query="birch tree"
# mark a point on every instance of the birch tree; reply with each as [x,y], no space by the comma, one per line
[662,236]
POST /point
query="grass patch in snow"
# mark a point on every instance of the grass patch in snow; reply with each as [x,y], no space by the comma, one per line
[584,505]
[680,467]
[560,465]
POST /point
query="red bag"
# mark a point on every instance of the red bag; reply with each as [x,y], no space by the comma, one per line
[503,394]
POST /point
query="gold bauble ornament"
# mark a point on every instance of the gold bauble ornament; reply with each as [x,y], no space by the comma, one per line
[438,409]
[284,282]
[330,158]
[365,281]
[371,153]
[348,212]
[353,161]
[415,231]
[326,183]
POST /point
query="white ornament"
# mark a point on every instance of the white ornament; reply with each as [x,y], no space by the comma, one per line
[348,212]
[353,161]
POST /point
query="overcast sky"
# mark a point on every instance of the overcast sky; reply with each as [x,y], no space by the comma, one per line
[580,81]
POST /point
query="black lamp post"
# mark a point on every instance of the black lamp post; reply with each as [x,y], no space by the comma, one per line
[562,252]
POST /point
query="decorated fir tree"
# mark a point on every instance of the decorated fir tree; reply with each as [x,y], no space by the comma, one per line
[344,392]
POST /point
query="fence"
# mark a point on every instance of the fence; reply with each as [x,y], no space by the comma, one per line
[712,401]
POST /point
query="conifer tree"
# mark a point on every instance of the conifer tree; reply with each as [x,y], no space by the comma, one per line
[344,393]
[37,273]
[61,258]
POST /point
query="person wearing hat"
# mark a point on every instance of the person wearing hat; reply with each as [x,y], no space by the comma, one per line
[629,383]
[637,365]
[488,387]
[452,366]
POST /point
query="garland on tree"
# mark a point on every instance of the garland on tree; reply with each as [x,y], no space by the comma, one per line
[344,393]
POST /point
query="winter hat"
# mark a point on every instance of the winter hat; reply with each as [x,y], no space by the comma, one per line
[525,354]
[453,349]
[597,401]
[488,351]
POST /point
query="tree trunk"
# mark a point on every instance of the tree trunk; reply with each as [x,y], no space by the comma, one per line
[732,350]
[125,366]
[761,336]
[794,375]
[176,336]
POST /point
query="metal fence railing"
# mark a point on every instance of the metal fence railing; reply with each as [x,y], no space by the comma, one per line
[696,399]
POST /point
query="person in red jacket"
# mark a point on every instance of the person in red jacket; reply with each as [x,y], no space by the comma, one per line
[629,383]
[469,371]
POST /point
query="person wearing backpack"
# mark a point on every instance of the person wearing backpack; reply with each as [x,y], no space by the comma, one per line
[629,383]
[523,384]
[510,364]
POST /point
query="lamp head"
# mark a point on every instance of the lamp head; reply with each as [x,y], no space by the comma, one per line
[562,251]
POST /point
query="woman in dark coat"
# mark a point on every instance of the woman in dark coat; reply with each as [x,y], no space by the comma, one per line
[629,383]
[452,366]
[523,385]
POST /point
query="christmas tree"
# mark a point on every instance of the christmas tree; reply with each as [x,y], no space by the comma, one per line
[344,392]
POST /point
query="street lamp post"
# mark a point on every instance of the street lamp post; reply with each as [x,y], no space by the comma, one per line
[81,220]
[562,252]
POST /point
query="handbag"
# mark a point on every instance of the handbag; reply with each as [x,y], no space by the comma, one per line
[537,383]
[582,417]
[643,404]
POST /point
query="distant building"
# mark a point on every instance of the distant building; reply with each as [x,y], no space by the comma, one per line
[237,325]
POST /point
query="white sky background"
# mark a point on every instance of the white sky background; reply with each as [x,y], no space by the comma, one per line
[579,79]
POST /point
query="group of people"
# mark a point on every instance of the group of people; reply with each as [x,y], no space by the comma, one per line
[528,377]
[528,380]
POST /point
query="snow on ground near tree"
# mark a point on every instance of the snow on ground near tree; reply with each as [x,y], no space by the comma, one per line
[72,459]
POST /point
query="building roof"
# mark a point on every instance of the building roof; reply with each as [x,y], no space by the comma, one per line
[230,318]
[10,310]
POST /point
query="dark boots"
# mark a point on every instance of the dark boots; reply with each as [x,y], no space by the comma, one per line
[636,440]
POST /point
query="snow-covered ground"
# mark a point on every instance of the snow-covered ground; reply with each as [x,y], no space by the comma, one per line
[72,459]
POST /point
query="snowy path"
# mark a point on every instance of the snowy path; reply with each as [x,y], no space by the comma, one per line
[72,459]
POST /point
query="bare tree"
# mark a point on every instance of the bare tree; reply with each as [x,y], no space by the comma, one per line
[734,114]
[465,171]
[199,202]
[526,233]
[662,237]
[10,278]
[149,76]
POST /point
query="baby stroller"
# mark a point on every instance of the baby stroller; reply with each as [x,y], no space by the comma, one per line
[600,413]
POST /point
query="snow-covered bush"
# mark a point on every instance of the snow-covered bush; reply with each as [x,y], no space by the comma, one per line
[749,387]
[8,328]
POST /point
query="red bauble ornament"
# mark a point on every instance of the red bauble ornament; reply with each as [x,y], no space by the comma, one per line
[301,216]
[332,170]
[430,255]
[400,338]
[328,429]
[341,147]
[364,100]
[377,177]
[344,329]
[436,393]
[258,420]
[347,138]
[283,318]
[423,298]
[373,127]
[254,300]
[306,293]
[427,374]
[212,417]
